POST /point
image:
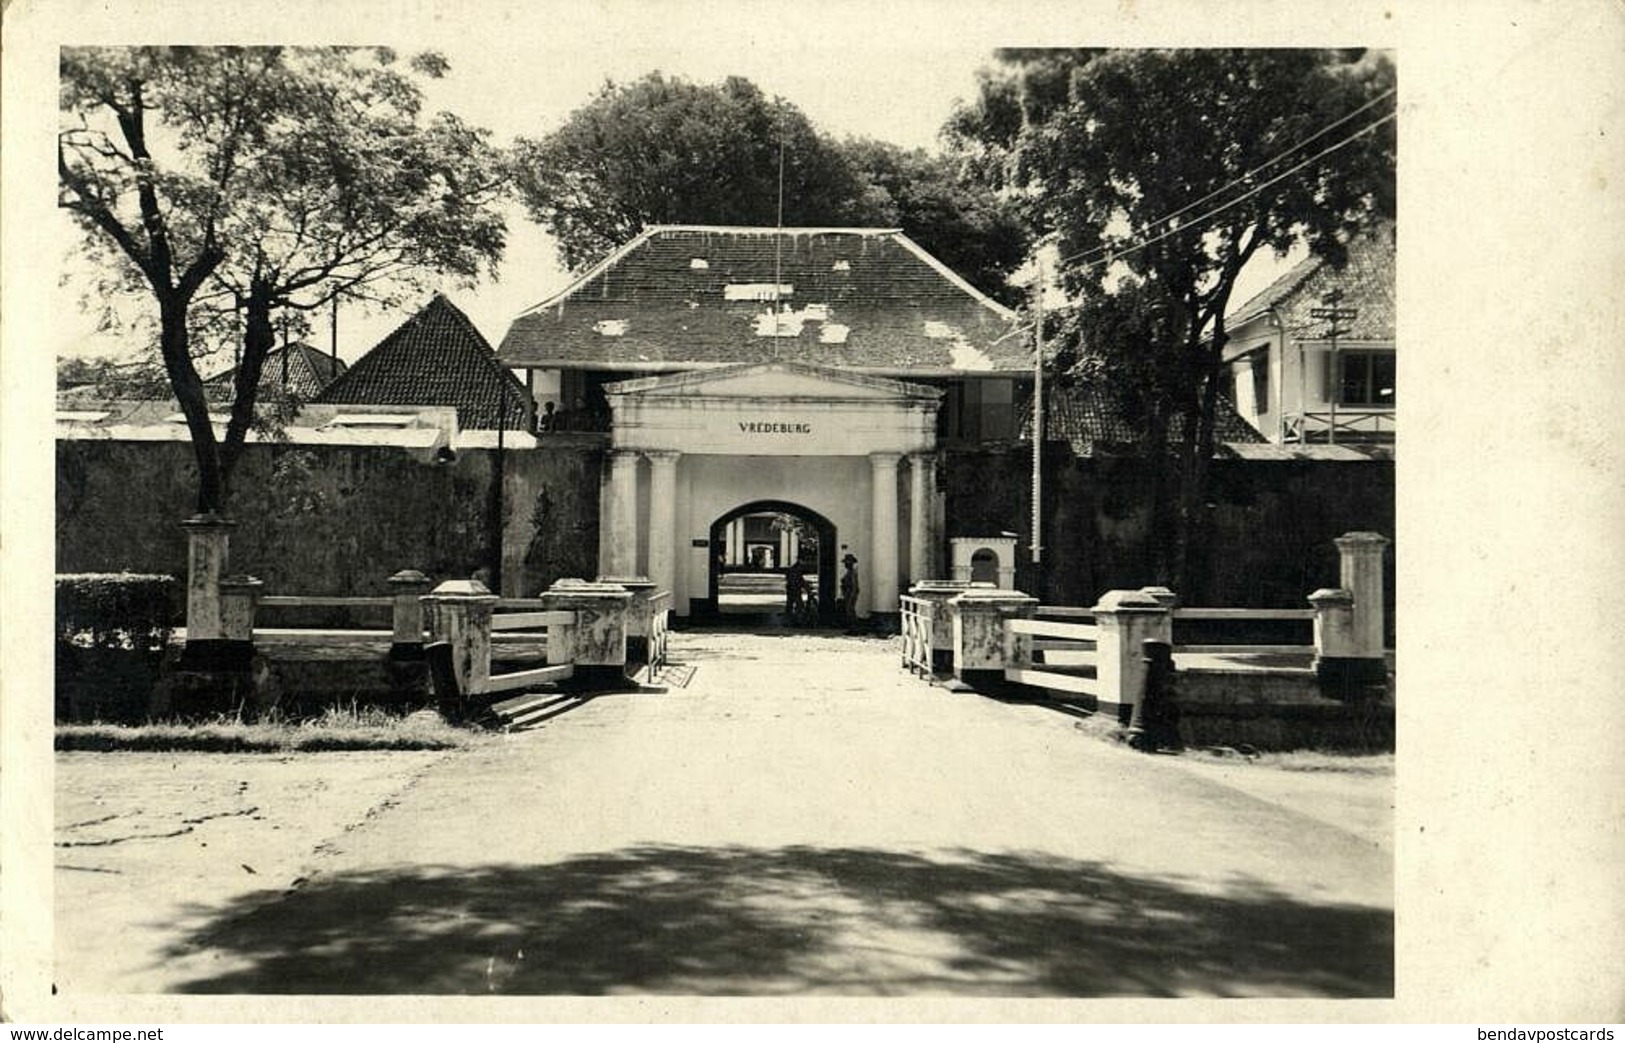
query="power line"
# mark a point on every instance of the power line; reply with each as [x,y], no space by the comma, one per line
[1113,253]
[1327,129]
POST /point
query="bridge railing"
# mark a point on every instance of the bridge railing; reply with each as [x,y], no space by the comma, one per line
[916,622]
[579,628]
[999,641]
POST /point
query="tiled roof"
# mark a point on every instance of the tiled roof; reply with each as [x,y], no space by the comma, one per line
[1084,416]
[680,296]
[1366,279]
[435,358]
[308,372]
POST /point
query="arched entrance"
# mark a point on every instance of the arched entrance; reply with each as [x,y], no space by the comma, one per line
[755,549]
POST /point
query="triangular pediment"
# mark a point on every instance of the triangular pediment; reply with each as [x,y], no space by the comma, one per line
[780,380]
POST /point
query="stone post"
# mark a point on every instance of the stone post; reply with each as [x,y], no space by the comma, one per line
[1126,619]
[983,646]
[407,587]
[596,645]
[459,613]
[239,600]
[883,550]
[1339,662]
[642,589]
[939,592]
[208,539]
[1168,600]
[1334,624]
[1361,575]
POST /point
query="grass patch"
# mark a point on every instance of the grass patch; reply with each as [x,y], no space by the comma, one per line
[337,728]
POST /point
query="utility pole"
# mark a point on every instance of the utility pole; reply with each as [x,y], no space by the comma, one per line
[1335,315]
[499,478]
[333,342]
[1038,421]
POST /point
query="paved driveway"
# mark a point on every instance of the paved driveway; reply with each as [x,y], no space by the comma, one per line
[802,817]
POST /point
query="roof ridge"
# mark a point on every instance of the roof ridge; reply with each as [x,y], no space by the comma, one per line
[780,230]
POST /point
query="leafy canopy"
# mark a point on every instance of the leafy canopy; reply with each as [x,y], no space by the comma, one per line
[662,150]
[236,184]
[1158,175]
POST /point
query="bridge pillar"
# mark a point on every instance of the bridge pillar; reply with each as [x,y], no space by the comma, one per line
[983,646]
[407,588]
[1126,620]
[596,644]
[939,592]
[459,613]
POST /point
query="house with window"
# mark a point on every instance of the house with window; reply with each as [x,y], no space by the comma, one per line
[1297,377]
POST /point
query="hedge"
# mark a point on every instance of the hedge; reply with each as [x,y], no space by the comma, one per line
[111,631]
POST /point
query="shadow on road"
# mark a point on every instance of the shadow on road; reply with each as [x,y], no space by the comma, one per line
[787,921]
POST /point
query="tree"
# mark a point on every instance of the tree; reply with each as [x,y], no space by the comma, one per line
[665,151]
[958,220]
[239,184]
[1139,165]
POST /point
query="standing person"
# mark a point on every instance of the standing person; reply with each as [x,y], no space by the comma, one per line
[549,420]
[795,596]
[849,593]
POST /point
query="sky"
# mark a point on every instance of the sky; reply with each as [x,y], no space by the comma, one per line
[896,79]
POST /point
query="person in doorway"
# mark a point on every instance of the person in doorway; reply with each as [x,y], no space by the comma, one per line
[549,420]
[795,596]
[849,593]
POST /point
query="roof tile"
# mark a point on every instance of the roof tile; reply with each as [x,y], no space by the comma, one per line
[1366,279]
[437,357]
[861,298]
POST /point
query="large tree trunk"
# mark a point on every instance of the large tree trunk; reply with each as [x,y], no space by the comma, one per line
[259,339]
[174,343]
[1161,535]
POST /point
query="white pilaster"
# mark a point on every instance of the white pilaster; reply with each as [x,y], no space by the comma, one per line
[620,537]
[883,519]
[922,481]
[662,518]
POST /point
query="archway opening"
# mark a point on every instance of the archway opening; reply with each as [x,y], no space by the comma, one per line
[773,561]
[984,566]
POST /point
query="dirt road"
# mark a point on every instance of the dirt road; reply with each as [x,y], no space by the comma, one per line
[791,816]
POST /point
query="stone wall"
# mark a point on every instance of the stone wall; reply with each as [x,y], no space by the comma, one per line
[330,519]
[339,519]
[1278,710]
[1273,523]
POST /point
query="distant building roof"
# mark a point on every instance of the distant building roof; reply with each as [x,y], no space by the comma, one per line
[437,357]
[306,373]
[688,297]
[1366,279]
[1083,415]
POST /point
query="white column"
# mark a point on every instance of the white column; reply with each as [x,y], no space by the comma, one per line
[736,541]
[663,518]
[795,548]
[883,545]
[922,478]
[620,538]
[784,548]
